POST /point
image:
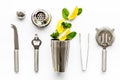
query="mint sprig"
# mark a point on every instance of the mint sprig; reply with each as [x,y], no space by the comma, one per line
[66,25]
[55,35]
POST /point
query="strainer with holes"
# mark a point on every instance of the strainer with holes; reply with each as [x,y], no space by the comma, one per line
[104,38]
[41,18]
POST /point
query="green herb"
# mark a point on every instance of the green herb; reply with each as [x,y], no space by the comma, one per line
[79,11]
[54,35]
[66,25]
[65,13]
[71,35]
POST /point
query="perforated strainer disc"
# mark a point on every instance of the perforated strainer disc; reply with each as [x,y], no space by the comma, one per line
[41,18]
[104,37]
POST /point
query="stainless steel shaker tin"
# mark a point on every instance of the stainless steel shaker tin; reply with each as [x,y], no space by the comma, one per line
[41,18]
[60,52]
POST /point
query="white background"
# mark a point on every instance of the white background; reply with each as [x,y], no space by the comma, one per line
[96,14]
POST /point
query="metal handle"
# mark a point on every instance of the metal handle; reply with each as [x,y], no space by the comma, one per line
[16,61]
[104,60]
[36,60]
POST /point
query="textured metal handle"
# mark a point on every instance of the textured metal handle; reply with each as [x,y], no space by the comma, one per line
[16,61]
[36,60]
[104,60]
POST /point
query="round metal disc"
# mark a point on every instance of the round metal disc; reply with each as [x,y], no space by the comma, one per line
[41,18]
[104,37]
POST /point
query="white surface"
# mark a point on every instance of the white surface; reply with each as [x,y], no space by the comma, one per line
[96,13]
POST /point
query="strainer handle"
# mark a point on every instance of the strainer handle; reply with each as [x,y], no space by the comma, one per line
[104,60]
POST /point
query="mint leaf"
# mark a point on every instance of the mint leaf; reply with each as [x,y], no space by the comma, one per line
[65,13]
[54,35]
[69,25]
[66,25]
[71,35]
[79,11]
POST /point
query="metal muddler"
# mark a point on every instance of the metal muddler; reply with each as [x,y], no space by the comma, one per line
[104,38]
[16,45]
[36,42]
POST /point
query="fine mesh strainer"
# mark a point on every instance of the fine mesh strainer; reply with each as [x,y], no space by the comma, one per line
[104,38]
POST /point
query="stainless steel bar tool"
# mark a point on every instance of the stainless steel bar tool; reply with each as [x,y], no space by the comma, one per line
[16,49]
[36,42]
[20,15]
[104,38]
[41,18]
[84,64]
[60,53]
